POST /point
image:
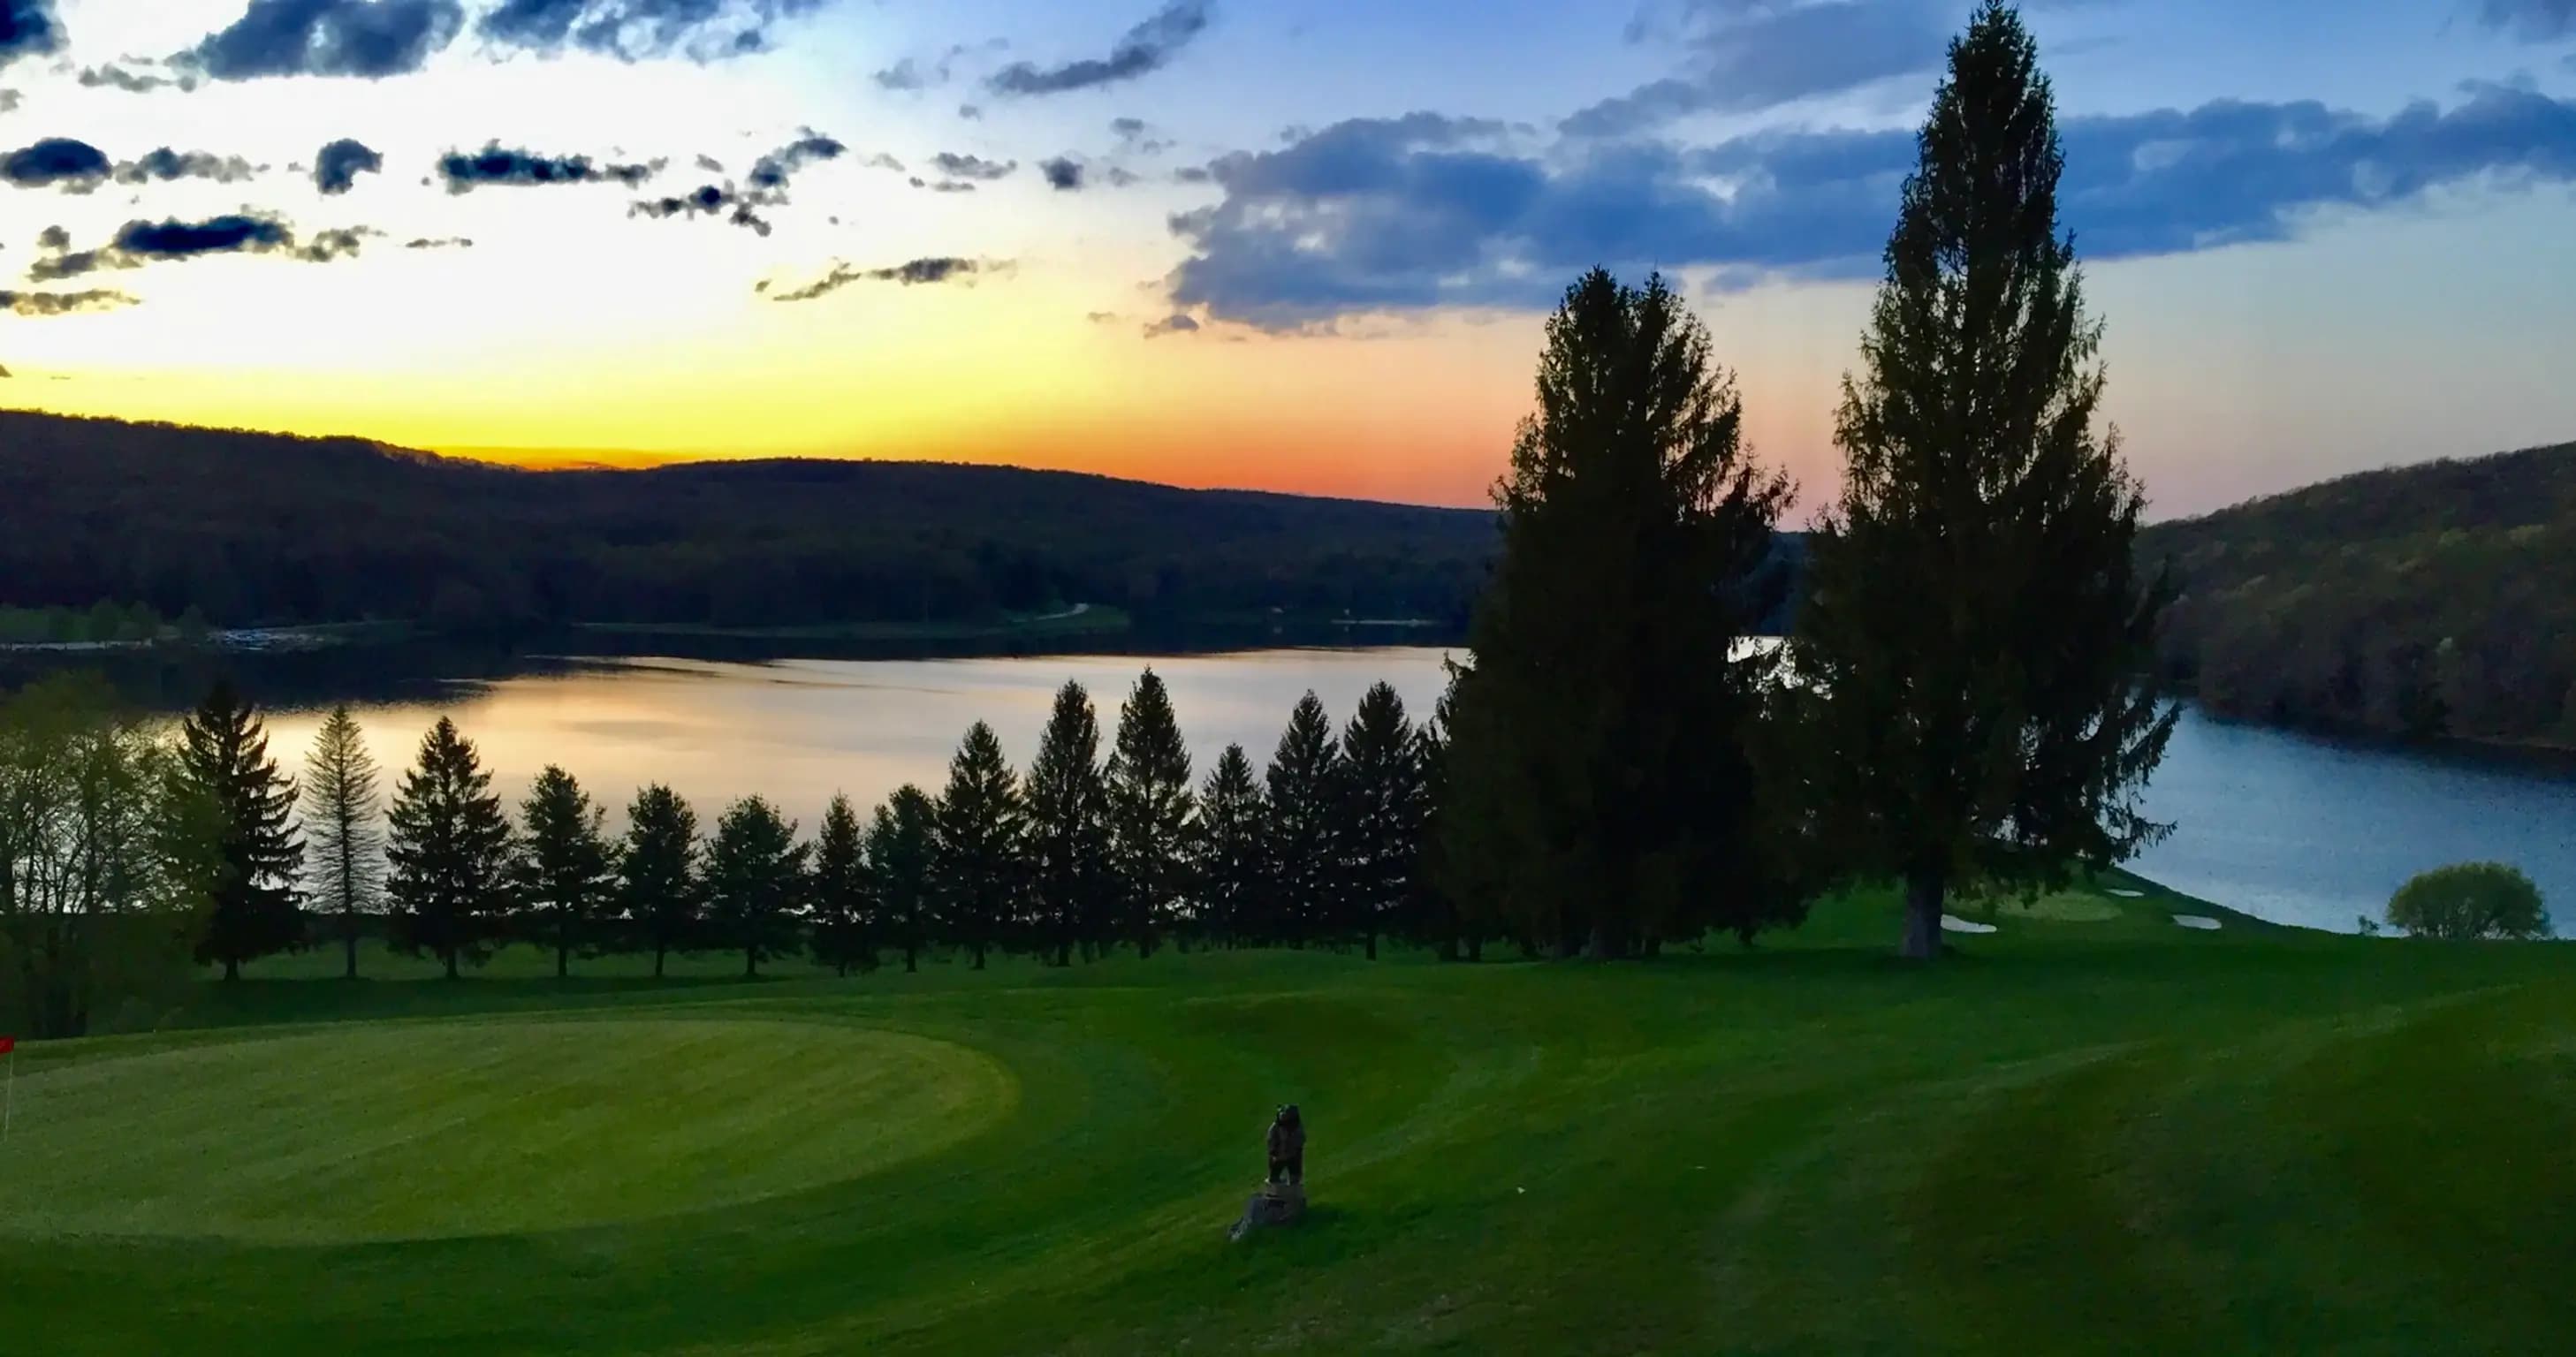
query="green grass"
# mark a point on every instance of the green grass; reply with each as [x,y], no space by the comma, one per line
[2105,1134]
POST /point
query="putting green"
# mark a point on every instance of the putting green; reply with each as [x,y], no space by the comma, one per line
[476,1128]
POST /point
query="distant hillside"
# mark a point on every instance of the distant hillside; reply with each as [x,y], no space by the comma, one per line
[248,528]
[2425,601]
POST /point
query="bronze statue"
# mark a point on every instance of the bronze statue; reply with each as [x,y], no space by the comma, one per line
[1288,1147]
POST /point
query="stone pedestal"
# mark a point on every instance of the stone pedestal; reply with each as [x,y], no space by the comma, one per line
[1274,1204]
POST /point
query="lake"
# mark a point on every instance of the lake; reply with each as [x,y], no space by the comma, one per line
[2283,826]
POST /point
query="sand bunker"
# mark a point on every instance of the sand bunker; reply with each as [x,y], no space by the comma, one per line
[1952,923]
[2200,921]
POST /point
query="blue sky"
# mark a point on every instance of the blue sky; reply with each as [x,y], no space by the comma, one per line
[1301,244]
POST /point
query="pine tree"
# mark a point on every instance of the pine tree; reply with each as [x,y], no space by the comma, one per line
[1068,832]
[1600,793]
[1149,813]
[755,881]
[1440,920]
[661,886]
[903,843]
[1383,805]
[1230,851]
[257,908]
[449,850]
[567,868]
[982,855]
[843,892]
[1976,651]
[1308,873]
[344,842]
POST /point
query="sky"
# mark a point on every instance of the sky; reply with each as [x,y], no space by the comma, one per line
[1302,245]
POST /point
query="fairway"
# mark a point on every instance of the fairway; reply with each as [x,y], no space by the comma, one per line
[2090,1131]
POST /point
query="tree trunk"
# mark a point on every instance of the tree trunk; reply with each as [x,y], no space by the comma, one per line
[449,956]
[232,968]
[1476,947]
[911,960]
[563,960]
[349,935]
[659,951]
[1923,892]
[979,956]
[1372,944]
[750,964]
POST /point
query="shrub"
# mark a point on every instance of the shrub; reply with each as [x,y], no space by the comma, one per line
[2469,900]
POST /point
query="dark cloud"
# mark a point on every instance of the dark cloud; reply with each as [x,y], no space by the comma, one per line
[56,162]
[970,113]
[1127,129]
[1194,174]
[1423,211]
[1133,135]
[908,74]
[882,161]
[336,167]
[958,166]
[2532,20]
[28,28]
[1747,57]
[1062,172]
[1140,51]
[1176,323]
[774,168]
[743,206]
[496,165]
[635,30]
[440,243]
[167,165]
[938,269]
[944,185]
[62,303]
[710,164]
[53,238]
[368,39]
[138,243]
[131,76]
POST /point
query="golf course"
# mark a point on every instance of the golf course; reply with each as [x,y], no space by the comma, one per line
[2090,1130]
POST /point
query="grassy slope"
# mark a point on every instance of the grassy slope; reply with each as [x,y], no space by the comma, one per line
[2081,1136]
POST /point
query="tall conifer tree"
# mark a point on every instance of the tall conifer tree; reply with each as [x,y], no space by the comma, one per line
[1230,851]
[903,844]
[1309,875]
[982,858]
[1382,808]
[843,893]
[567,867]
[448,846]
[257,907]
[1068,832]
[660,886]
[1149,813]
[344,835]
[755,881]
[1600,793]
[1976,651]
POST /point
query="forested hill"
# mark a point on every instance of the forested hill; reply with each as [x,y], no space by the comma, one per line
[249,528]
[2432,600]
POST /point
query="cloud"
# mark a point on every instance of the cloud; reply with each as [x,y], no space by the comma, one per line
[882,161]
[167,165]
[1747,56]
[138,243]
[336,167]
[62,303]
[367,39]
[1141,50]
[635,30]
[439,243]
[1426,211]
[907,75]
[1062,172]
[494,165]
[944,185]
[742,206]
[1132,134]
[129,76]
[2532,20]
[972,167]
[73,165]
[970,113]
[911,273]
[1177,323]
[28,28]
[774,168]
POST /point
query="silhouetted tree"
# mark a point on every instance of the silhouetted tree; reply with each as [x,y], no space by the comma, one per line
[1308,873]
[1230,850]
[449,850]
[1444,922]
[755,879]
[903,844]
[567,867]
[256,906]
[1977,646]
[1149,812]
[843,892]
[1382,808]
[344,842]
[1068,832]
[660,887]
[982,845]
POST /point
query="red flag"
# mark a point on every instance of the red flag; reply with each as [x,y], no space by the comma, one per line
[8,1044]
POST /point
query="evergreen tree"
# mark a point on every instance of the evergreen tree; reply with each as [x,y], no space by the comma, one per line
[1230,850]
[1308,876]
[449,850]
[1976,654]
[1383,805]
[344,842]
[1600,792]
[1068,832]
[903,843]
[660,886]
[567,867]
[257,909]
[755,881]
[1149,813]
[843,892]
[982,845]
[1444,922]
